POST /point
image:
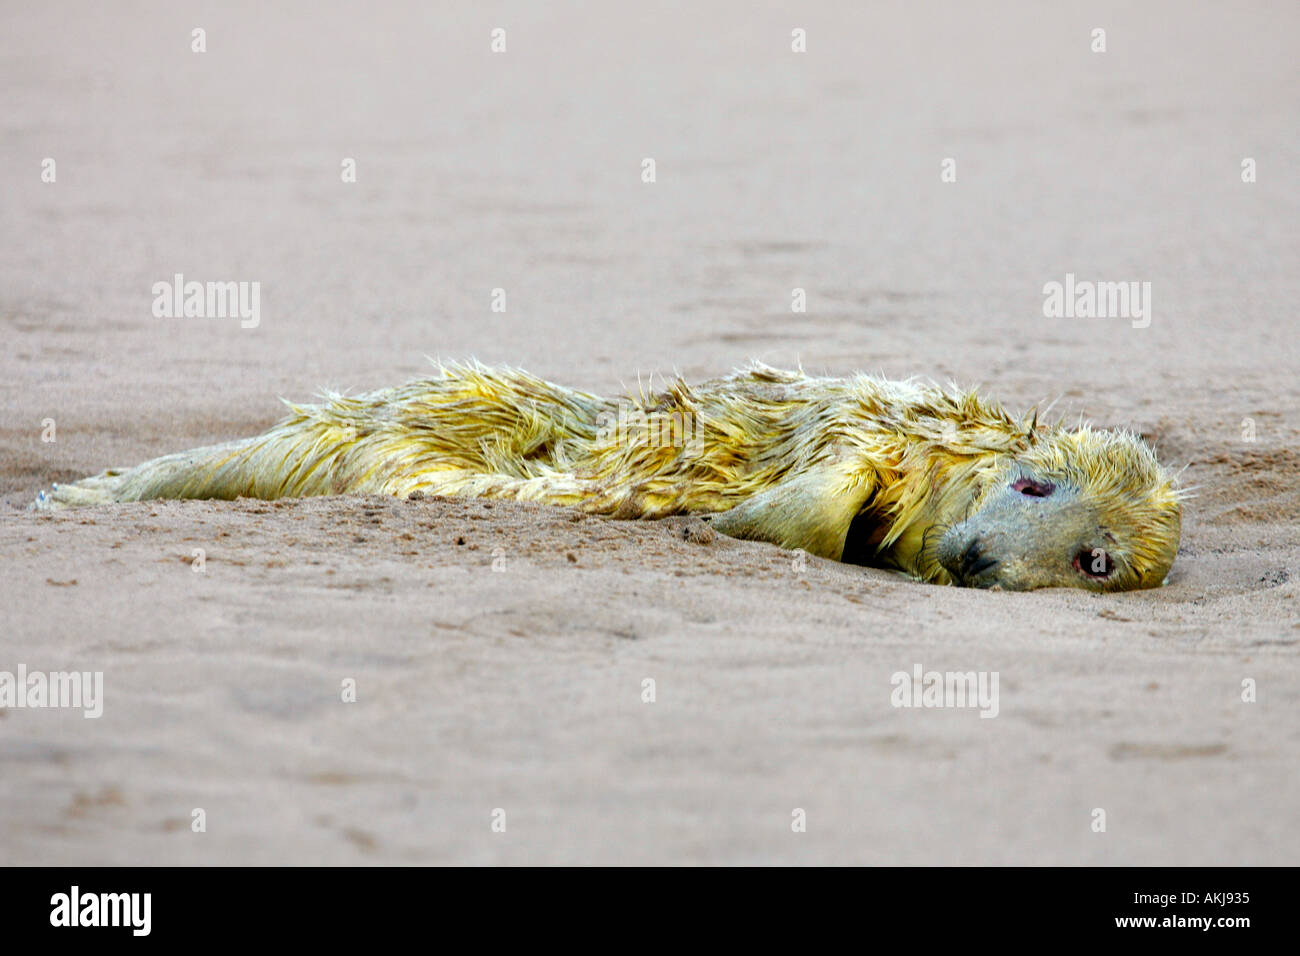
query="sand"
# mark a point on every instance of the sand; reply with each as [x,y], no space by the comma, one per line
[499,650]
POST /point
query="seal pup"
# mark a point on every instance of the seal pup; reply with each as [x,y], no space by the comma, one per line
[938,483]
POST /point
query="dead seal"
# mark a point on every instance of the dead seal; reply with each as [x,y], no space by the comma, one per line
[941,484]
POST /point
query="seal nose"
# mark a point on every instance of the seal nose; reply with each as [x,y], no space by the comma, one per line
[973,561]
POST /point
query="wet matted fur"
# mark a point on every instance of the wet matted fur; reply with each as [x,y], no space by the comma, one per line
[939,483]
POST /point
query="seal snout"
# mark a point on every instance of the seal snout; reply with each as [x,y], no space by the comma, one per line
[966,564]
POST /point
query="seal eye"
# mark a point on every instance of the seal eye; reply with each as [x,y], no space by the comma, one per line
[1033,489]
[1094,563]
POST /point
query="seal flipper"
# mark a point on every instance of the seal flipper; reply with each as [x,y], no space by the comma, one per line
[216,471]
[811,512]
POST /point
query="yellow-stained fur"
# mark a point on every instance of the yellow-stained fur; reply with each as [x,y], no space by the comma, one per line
[900,472]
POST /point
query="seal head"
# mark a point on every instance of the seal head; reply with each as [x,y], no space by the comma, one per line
[1086,509]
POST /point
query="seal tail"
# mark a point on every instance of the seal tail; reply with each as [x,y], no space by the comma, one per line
[470,431]
[216,471]
[309,454]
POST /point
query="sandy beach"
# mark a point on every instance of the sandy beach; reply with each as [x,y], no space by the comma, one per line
[499,650]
